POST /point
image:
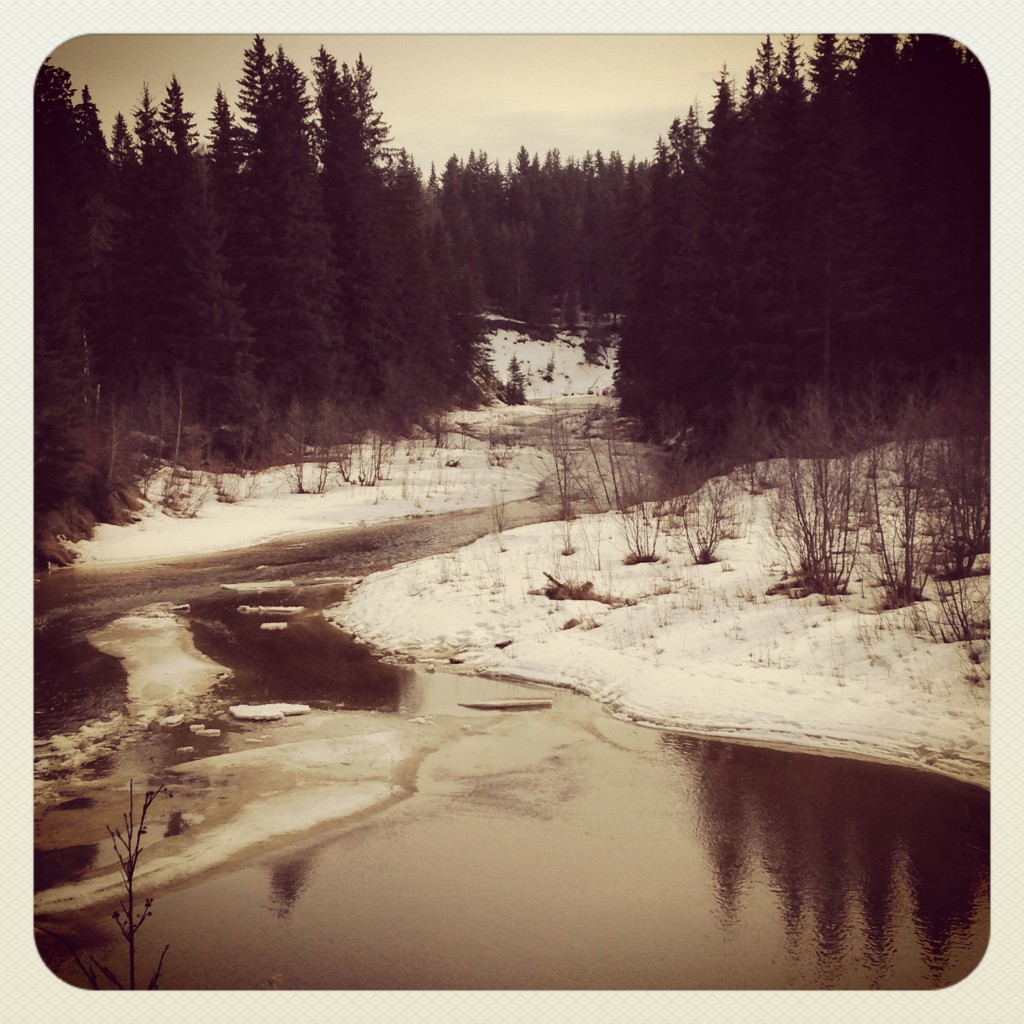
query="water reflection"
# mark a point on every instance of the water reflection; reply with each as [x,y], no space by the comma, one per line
[288,879]
[67,863]
[74,682]
[849,849]
[310,660]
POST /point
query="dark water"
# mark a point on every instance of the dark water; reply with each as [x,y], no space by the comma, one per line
[544,850]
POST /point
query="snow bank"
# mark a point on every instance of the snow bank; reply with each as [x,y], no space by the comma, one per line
[695,648]
[232,511]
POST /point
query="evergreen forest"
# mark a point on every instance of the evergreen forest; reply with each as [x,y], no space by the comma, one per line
[206,277]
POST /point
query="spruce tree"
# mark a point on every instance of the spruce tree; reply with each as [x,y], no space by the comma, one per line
[284,256]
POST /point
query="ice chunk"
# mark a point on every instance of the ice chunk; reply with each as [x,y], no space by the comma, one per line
[267,712]
[271,609]
[258,585]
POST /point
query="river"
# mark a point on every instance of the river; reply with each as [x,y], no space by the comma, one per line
[546,849]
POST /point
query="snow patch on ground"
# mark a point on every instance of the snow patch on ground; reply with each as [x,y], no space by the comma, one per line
[561,359]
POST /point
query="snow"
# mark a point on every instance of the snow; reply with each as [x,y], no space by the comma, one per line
[232,511]
[224,511]
[702,649]
[570,373]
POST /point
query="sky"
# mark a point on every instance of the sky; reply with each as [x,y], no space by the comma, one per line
[450,94]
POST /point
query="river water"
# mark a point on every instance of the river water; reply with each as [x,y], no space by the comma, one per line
[548,849]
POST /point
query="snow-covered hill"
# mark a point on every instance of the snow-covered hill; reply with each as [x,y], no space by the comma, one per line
[551,369]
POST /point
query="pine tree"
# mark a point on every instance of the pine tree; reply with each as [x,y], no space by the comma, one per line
[284,256]
[349,139]
[69,171]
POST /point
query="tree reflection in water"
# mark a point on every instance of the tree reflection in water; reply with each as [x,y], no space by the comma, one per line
[288,879]
[871,866]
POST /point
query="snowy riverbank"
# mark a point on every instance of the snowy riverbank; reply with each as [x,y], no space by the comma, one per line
[700,648]
[232,511]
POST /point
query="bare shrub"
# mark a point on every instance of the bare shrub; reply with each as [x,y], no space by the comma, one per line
[225,487]
[298,425]
[902,496]
[960,519]
[963,610]
[185,492]
[962,469]
[439,427]
[619,476]
[708,515]
[562,448]
[749,441]
[499,514]
[373,458]
[815,512]
[329,428]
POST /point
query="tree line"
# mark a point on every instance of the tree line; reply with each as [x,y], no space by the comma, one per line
[828,227]
[826,223]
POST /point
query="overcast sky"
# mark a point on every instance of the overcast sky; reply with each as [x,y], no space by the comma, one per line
[445,94]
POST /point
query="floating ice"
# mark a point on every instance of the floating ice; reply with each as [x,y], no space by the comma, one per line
[258,585]
[271,609]
[267,712]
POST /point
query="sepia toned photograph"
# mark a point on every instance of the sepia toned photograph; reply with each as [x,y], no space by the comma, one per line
[511,512]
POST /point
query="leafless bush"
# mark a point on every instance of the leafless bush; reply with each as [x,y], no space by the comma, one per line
[185,492]
[963,612]
[499,513]
[640,510]
[815,511]
[298,426]
[438,426]
[750,440]
[902,500]
[617,475]
[373,458]
[962,469]
[708,515]
[562,448]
